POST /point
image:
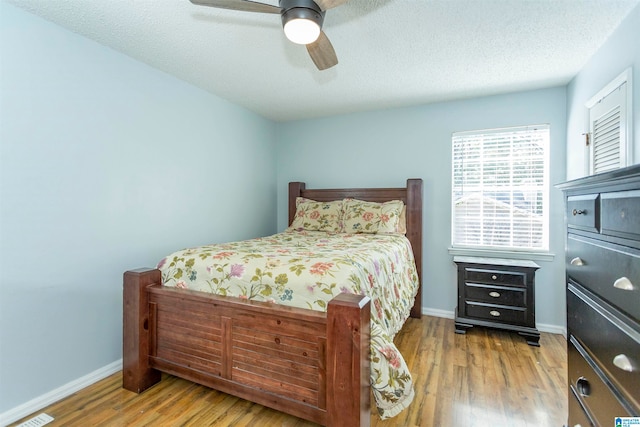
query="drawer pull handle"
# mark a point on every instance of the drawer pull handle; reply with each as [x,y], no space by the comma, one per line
[579,212]
[494,277]
[494,313]
[583,386]
[577,261]
[624,284]
[621,361]
[494,294]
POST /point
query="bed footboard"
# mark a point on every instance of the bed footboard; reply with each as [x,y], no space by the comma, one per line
[306,363]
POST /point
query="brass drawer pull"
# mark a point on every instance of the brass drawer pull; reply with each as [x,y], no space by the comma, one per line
[494,313]
[621,361]
[577,261]
[494,294]
[579,212]
[624,284]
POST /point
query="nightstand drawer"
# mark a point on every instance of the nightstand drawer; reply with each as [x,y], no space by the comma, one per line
[611,271]
[498,277]
[503,295]
[496,313]
[610,341]
[621,214]
[591,390]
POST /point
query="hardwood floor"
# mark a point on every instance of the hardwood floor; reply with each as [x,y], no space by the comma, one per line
[484,378]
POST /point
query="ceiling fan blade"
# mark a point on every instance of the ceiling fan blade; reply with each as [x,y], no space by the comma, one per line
[244,5]
[322,52]
[328,4]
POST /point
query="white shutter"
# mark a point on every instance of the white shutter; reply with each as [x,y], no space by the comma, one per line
[610,124]
[605,118]
[606,141]
[500,188]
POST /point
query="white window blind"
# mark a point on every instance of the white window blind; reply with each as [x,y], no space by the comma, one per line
[500,188]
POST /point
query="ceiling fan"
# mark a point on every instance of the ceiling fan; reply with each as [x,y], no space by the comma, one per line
[301,19]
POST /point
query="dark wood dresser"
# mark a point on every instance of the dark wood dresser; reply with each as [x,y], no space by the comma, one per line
[498,293]
[603,296]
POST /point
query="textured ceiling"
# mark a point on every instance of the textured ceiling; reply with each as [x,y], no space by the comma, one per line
[392,53]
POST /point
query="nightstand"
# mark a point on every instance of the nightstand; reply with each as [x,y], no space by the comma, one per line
[497,293]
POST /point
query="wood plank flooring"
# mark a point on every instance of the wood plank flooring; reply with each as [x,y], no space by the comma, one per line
[484,378]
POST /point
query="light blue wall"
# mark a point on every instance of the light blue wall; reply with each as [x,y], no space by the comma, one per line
[621,51]
[106,165]
[384,148]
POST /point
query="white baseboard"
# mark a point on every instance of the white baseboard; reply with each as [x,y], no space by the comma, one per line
[59,393]
[552,329]
[542,327]
[438,313]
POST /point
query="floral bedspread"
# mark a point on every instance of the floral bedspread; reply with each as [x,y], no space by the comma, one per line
[307,269]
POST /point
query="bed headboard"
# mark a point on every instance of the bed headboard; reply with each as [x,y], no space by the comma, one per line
[411,195]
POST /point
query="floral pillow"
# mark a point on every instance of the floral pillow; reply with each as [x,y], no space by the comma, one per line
[371,217]
[317,216]
[402,224]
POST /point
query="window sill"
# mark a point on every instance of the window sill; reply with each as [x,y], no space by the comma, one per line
[492,253]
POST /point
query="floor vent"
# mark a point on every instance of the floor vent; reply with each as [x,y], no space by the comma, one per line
[37,421]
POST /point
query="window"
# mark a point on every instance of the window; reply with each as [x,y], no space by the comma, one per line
[500,189]
[609,126]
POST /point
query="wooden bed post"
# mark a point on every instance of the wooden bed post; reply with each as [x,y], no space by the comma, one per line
[295,189]
[137,376]
[348,370]
[414,234]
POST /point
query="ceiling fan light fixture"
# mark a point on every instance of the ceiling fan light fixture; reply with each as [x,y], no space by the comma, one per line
[302,31]
[302,20]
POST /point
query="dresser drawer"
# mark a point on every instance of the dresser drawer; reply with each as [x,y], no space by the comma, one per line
[496,313]
[577,414]
[497,277]
[611,271]
[621,214]
[583,212]
[599,400]
[612,343]
[503,295]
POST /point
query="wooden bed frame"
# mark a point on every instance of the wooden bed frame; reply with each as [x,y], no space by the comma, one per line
[306,363]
